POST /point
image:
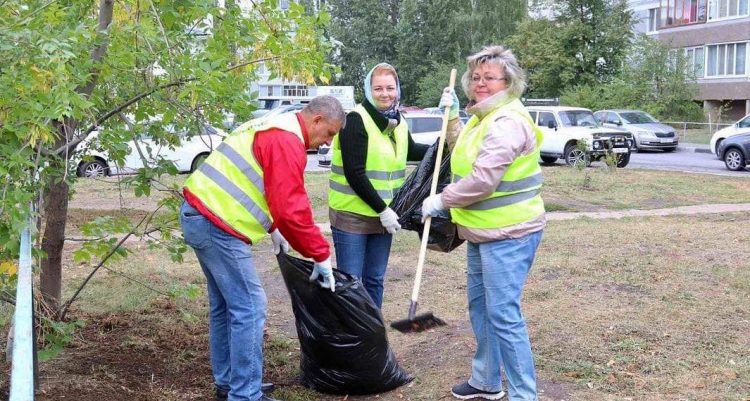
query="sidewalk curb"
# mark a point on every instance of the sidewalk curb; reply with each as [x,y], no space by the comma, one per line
[694,149]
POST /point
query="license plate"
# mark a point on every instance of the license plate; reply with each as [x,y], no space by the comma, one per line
[666,140]
[619,150]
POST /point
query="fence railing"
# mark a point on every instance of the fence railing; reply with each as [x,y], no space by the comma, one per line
[22,370]
[692,132]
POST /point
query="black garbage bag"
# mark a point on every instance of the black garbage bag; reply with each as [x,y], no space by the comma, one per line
[407,202]
[343,343]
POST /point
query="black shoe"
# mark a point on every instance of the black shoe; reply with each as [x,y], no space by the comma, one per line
[222,394]
[465,391]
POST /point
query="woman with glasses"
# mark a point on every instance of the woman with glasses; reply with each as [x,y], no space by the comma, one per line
[494,198]
[368,165]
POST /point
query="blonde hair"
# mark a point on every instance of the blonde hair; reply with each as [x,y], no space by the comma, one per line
[503,58]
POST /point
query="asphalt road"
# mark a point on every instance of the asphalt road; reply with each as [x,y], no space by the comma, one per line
[684,159]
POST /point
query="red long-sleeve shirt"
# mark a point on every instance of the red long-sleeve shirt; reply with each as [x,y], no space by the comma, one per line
[283,158]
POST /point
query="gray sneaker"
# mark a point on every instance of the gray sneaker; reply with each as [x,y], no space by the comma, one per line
[264,398]
[465,391]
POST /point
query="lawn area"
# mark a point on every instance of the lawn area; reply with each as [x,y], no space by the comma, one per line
[652,308]
[565,188]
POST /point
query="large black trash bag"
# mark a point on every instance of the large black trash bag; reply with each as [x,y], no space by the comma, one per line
[407,202]
[343,342]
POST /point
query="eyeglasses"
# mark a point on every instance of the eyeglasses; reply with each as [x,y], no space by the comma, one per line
[487,80]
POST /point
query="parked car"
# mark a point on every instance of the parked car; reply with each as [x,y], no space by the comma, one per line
[92,161]
[735,151]
[424,127]
[574,134]
[462,114]
[648,132]
[740,127]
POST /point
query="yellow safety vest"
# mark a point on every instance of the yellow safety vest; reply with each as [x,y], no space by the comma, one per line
[385,167]
[517,198]
[230,182]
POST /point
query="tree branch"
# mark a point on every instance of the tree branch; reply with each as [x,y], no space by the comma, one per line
[80,137]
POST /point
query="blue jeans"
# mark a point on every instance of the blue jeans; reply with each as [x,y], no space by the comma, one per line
[496,275]
[237,305]
[364,256]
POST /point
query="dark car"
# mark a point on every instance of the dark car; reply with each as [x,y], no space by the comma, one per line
[735,151]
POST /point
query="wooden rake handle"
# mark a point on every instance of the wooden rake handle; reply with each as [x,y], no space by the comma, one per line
[433,190]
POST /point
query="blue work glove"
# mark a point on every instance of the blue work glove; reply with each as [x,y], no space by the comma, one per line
[324,269]
[432,206]
[449,99]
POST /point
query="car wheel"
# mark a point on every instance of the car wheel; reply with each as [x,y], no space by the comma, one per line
[734,160]
[667,150]
[549,159]
[198,161]
[622,159]
[576,157]
[94,168]
[718,144]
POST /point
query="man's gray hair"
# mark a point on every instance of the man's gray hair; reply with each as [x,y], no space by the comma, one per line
[503,58]
[327,106]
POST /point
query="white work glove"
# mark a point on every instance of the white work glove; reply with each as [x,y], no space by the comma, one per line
[279,242]
[449,99]
[389,220]
[324,269]
[432,206]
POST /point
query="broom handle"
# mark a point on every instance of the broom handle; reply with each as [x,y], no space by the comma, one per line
[433,190]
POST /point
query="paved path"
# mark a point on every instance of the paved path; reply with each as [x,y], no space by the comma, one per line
[689,210]
[618,214]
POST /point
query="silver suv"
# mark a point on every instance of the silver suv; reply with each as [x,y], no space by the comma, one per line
[647,131]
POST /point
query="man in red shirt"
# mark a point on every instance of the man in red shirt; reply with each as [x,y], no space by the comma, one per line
[251,185]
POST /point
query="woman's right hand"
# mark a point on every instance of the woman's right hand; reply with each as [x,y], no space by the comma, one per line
[449,99]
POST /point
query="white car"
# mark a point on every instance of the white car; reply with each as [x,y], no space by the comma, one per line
[424,128]
[574,134]
[193,149]
[740,127]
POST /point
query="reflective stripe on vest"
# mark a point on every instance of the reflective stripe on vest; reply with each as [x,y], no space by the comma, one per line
[517,197]
[385,167]
[515,186]
[229,183]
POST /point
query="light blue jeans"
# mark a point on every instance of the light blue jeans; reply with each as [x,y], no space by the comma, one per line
[237,305]
[496,275]
[364,256]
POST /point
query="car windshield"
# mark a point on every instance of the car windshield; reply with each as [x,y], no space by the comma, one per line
[637,118]
[578,118]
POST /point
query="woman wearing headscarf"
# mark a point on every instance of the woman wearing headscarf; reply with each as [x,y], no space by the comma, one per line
[368,166]
[495,202]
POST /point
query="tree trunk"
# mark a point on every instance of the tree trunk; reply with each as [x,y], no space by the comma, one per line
[56,200]
[56,214]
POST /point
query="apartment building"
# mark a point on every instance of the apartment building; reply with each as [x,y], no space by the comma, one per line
[715,36]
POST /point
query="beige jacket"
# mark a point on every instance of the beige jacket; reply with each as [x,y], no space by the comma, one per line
[509,137]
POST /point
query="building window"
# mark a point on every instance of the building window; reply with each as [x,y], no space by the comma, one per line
[726,59]
[295,90]
[719,9]
[653,19]
[683,12]
[284,4]
[695,60]
[269,90]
